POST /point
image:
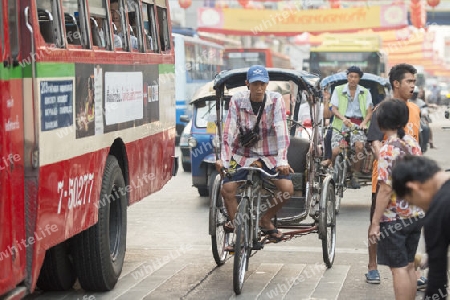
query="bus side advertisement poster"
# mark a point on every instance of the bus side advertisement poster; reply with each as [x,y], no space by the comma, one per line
[110,98]
[56,104]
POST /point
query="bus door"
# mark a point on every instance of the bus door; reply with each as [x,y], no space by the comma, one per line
[12,215]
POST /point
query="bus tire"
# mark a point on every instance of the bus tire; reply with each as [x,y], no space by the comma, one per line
[57,272]
[99,251]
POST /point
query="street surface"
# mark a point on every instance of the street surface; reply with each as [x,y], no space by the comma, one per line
[169,251]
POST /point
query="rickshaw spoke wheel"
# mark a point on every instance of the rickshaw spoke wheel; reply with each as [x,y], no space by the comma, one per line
[219,238]
[327,223]
[339,170]
[241,246]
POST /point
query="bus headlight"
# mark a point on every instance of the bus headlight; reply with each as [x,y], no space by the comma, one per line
[215,141]
[192,142]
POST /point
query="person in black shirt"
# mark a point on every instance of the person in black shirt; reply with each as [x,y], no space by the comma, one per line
[421,182]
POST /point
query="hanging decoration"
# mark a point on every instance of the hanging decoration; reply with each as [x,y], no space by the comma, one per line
[335,4]
[185,3]
[244,3]
[418,15]
[433,3]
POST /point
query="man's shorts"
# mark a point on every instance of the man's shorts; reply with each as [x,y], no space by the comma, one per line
[398,242]
[357,136]
[241,175]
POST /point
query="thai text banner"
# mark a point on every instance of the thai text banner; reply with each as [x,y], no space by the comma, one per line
[292,21]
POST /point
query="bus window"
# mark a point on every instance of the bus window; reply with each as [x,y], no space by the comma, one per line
[76,23]
[163,26]
[151,36]
[99,24]
[119,24]
[135,20]
[50,22]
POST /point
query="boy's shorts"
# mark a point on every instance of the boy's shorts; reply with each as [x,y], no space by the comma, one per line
[398,242]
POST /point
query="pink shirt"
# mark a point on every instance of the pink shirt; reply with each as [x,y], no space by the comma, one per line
[274,142]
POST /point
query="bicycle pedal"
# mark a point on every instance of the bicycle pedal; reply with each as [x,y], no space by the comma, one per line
[258,246]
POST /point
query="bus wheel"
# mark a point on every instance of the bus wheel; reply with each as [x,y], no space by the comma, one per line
[57,273]
[99,251]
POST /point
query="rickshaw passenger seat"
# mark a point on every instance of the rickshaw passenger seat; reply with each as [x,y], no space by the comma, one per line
[296,155]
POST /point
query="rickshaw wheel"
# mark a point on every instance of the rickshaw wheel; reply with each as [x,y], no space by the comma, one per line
[242,246]
[217,218]
[339,181]
[327,222]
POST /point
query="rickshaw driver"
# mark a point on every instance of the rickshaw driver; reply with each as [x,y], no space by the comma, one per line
[269,152]
[352,104]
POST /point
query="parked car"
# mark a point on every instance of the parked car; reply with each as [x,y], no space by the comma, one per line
[184,147]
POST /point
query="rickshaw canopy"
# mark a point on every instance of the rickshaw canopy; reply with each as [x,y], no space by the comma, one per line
[366,79]
[379,87]
[207,92]
[236,77]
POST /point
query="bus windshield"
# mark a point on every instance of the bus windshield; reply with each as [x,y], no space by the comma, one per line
[327,63]
[244,58]
[236,60]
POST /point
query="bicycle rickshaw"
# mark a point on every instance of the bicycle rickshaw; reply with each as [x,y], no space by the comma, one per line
[202,132]
[313,186]
[379,88]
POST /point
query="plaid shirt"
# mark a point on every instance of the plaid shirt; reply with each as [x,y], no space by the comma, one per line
[273,130]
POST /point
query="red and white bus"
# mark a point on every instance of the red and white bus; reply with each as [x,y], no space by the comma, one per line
[88,128]
[245,57]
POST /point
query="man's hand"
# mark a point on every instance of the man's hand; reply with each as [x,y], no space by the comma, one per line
[363,125]
[219,166]
[284,170]
[374,231]
[347,122]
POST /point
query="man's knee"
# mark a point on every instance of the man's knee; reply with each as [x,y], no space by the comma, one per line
[335,151]
[359,146]
[286,188]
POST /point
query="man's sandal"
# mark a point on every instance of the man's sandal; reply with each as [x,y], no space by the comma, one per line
[273,235]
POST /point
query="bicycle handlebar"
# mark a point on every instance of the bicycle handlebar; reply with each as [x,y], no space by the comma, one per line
[251,169]
[354,128]
[297,123]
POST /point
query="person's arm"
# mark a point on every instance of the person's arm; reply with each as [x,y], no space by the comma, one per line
[437,270]
[326,105]
[327,114]
[437,239]
[375,135]
[229,132]
[367,118]
[281,131]
[384,193]
[369,110]
[383,196]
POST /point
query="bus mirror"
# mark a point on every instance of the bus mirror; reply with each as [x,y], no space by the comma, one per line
[184,119]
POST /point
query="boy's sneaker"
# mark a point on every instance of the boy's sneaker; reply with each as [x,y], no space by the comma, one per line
[422,283]
[373,277]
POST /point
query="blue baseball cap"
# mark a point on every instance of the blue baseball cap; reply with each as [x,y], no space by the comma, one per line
[257,73]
